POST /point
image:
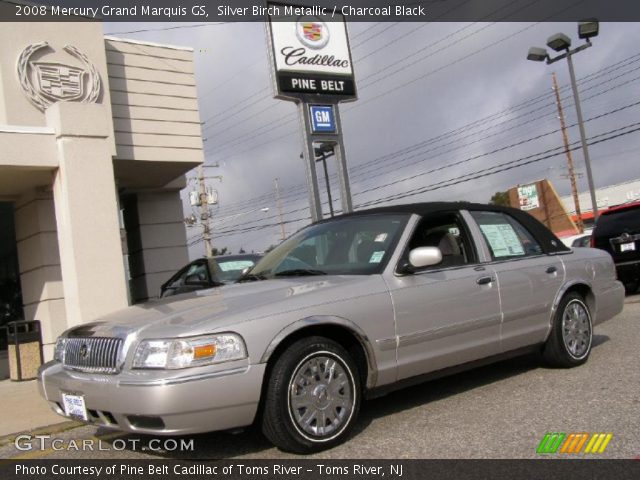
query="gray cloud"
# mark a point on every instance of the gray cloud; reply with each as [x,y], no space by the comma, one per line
[462,78]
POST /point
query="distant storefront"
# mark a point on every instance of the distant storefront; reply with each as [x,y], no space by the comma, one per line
[96,134]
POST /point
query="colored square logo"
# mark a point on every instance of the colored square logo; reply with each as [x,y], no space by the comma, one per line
[322,119]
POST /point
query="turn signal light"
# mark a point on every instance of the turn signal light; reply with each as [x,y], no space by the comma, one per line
[203,351]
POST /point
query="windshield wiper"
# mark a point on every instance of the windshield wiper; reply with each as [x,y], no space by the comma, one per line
[250,277]
[299,272]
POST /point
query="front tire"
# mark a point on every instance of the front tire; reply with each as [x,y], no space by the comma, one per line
[312,396]
[569,343]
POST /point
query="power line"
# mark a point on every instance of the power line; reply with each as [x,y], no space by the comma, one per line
[467,160]
[178,27]
[482,121]
[234,142]
[512,164]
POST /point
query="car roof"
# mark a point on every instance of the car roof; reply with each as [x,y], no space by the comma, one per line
[425,208]
[618,208]
[549,242]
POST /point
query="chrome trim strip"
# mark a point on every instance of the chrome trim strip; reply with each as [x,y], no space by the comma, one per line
[387,343]
[179,380]
[428,335]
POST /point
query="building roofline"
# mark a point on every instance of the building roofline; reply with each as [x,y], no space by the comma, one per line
[149,44]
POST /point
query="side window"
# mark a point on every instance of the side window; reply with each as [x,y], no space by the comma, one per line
[447,232]
[198,269]
[505,236]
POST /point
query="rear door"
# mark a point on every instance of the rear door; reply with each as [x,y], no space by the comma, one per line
[528,278]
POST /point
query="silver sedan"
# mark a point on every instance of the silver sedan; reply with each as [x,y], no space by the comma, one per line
[345,309]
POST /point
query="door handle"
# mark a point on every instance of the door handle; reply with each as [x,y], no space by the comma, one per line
[484,280]
[551,269]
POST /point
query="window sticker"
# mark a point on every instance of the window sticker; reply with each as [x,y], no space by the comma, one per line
[381,237]
[503,240]
[376,257]
[235,265]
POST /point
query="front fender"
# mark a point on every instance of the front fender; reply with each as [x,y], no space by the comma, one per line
[316,320]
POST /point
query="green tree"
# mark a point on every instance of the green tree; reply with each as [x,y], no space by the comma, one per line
[500,198]
[217,251]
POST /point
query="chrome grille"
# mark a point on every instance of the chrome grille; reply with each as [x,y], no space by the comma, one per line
[92,354]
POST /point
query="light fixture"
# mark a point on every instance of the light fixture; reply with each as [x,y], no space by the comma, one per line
[588,28]
[559,42]
[537,54]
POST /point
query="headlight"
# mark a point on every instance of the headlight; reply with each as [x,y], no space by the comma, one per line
[58,351]
[189,352]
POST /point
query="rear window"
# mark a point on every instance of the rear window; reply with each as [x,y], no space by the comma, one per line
[613,223]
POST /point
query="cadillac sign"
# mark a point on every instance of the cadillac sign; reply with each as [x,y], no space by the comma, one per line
[311,56]
[45,83]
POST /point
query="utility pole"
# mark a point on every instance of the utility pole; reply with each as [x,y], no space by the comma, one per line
[282,233]
[204,213]
[565,139]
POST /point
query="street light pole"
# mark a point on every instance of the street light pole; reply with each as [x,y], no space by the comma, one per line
[583,136]
[559,42]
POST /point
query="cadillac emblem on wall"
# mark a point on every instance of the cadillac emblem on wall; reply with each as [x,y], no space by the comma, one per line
[45,83]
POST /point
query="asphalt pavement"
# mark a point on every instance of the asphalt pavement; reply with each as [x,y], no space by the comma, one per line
[498,411]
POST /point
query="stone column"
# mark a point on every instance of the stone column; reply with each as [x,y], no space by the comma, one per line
[156,238]
[39,262]
[86,212]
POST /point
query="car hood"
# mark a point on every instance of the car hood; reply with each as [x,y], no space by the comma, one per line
[210,310]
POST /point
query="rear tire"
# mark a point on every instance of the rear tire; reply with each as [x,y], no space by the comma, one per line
[312,396]
[631,287]
[569,343]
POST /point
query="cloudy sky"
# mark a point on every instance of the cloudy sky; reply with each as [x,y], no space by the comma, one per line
[453,111]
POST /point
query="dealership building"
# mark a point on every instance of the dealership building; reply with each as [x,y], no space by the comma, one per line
[96,135]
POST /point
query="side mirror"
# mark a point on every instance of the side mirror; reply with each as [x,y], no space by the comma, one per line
[425,257]
[194,279]
[419,258]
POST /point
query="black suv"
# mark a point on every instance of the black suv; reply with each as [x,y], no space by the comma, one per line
[618,232]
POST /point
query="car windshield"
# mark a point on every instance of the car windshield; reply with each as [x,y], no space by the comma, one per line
[230,269]
[353,245]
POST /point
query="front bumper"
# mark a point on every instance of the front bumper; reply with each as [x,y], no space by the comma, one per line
[160,402]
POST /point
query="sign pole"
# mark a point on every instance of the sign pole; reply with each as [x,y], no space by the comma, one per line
[312,66]
[310,163]
[343,173]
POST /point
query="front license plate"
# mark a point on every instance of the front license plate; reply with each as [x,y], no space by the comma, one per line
[627,247]
[74,406]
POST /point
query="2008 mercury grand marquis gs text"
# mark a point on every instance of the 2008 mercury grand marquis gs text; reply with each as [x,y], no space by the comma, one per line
[346,308]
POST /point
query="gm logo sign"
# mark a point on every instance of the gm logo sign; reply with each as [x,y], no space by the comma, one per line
[574,443]
[323,119]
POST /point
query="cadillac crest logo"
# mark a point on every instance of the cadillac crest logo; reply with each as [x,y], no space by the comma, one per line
[45,83]
[312,32]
